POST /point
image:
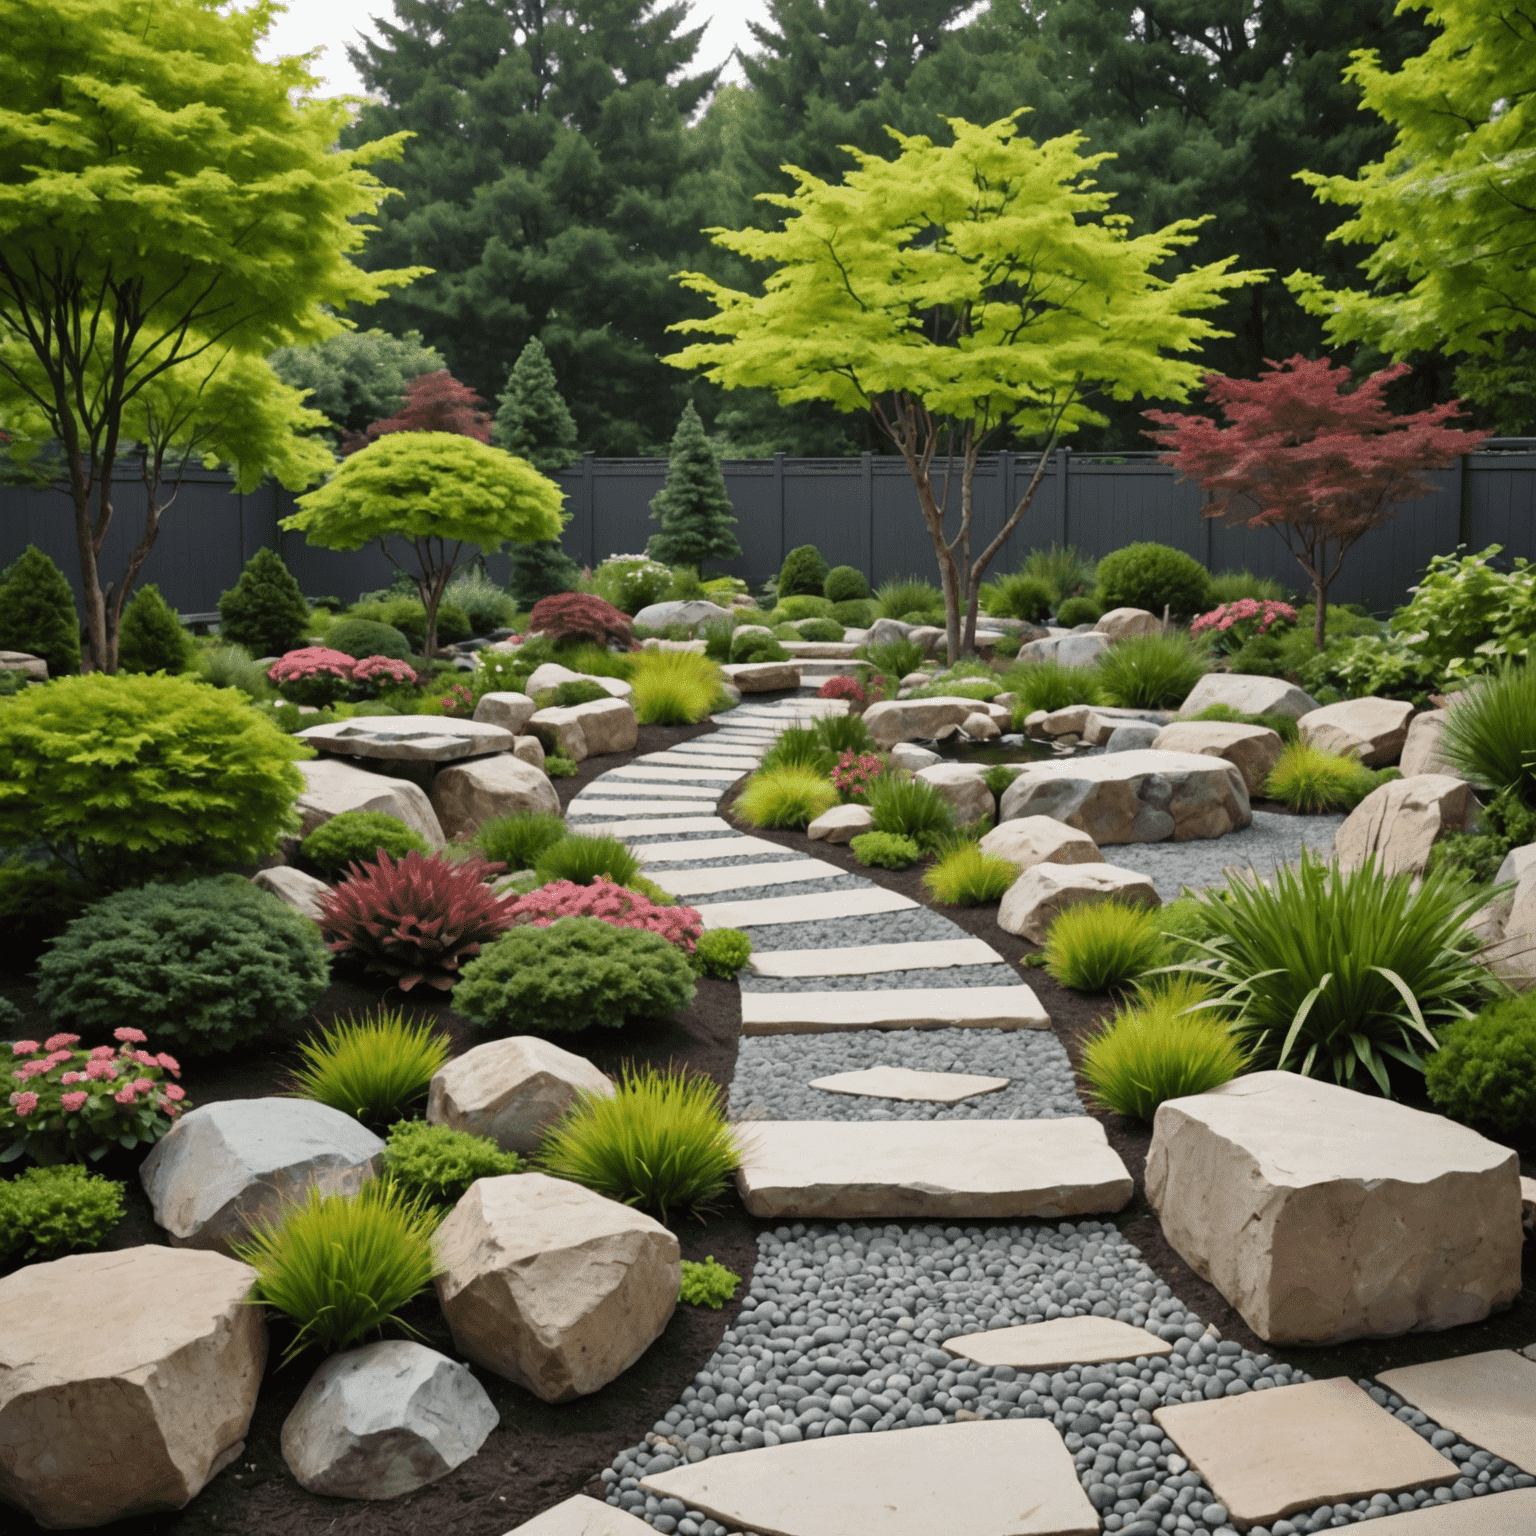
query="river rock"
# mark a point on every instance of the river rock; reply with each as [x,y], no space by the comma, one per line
[467,795]
[1033,902]
[1068,650]
[962,786]
[1134,737]
[384,1420]
[905,755]
[127,1381]
[894,720]
[408,738]
[552,1286]
[551,674]
[689,611]
[841,824]
[1370,729]
[1252,749]
[1423,751]
[1248,695]
[1031,840]
[226,1168]
[981,727]
[293,888]
[331,787]
[511,711]
[1122,623]
[1398,823]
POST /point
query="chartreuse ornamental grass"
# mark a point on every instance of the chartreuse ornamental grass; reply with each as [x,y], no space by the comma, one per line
[967,877]
[1102,944]
[673,687]
[708,1284]
[374,1067]
[1315,782]
[785,797]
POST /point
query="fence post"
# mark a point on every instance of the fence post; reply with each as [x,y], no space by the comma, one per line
[867,472]
[1063,470]
[589,496]
[778,486]
[1005,475]
[1463,501]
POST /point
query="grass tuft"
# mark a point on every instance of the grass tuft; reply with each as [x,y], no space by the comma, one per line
[582,856]
[967,877]
[373,1067]
[785,797]
[1103,944]
[1152,671]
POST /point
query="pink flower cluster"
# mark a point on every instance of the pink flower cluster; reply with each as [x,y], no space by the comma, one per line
[855,773]
[378,669]
[1244,611]
[613,903]
[458,702]
[311,661]
[843,688]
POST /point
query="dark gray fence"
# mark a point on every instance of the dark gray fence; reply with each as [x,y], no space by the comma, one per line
[860,512]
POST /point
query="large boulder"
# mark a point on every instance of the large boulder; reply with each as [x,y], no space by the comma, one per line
[841,824]
[1134,797]
[1400,822]
[31,667]
[1032,840]
[1248,695]
[763,676]
[551,674]
[885,631]
[1324,1215]
[1034,901]
[552,1286]
[894,720]
[293,888]
[689,611]
[466,795]
[558,731]
[127,1381]
[408,738]
[511,711]
[331,787]
[1068,650]
[1122,623]
[1370,729]
[1252,749]
[385,1420]
[1423,748]
[962,786]
[226,1168]
[511,1090]
[607,726]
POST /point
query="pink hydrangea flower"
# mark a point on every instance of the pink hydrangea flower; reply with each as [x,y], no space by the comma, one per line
[55,1057]
[101,1071]
[25,1048]
[23,1103]
[72,1077]
[611,902]
[124,1095]
[74,1101]
[143,1085]
[169,1063]
[137,1036]
[58,1042]
[374,669]
[31,1069]
[174,1093]
[144,1059]
[103,1053]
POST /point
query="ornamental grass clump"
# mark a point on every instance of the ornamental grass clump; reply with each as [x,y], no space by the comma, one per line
[374,1067]
[967,877]
[844,733]
[353,836]
[518,841]
[1102,944]
[1490,732]
[618,905]
[341,1266]
[1048,685]
[1151,671]
[799,746]
[661,1142]
[673,687]
[1316,782]
[438,1164]
[585,857]
[46,1212]
[911,808]
[785,797]
[418,918]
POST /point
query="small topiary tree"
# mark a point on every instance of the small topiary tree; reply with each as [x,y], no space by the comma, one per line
[804,573]
[693,507]
[845,584]
[532,419]
[150,638]
[1154,576]
[37,612]
[264,611]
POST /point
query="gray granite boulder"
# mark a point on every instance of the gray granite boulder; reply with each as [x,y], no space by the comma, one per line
[884,631]
[409,738]
[293,888]
[1248,694]
[1133,737]
[692,611]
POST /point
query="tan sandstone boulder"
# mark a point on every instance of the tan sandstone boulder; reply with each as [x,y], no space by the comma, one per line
[1067,650]
[1370,729]
[29,666]
[1121,623]
[467,795]
[1032,903]
[511,711]
[763,676]
[559,731]
[1032,840]
[331,787]
[895,720]
[981,727]
[1252,749]
[961,785]
[841,824]
[1323,1214]
[293,888]
[530,750]
[511,1090]
[1248,694]
[552,1286]
[551,674]
[1401,821]
[1423,751]
[127,1381]
[608,725]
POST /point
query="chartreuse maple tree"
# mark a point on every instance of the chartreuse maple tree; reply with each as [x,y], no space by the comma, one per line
[952,291]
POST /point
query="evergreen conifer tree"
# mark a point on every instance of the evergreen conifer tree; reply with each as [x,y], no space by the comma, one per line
[37,612]
[693,507]
[264,611]
[540,569]
[532,419]
[150,637]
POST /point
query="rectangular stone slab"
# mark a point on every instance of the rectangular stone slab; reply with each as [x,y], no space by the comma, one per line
[581,1516]
[870,959]
[1269,1454]
[652,771]
[910,1087]
[598,807]
[1507,1514]
[617,786]
[817,1013]
[802,909]
[1008,1477]
[1062,1341]
[718,757]
[703,848]
[737,877]
[928,1169]
[645,826]
[1489,1399]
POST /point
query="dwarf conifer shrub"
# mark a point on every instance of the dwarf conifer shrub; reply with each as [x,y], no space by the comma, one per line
[37,612]
[885,850]
[438,1164]
[804,573]
[353,837]
[264,611]
[364,637]
[1484,1073]
[708,1284]
[36,901]
[845,584]
[722,952]
[150,637]
[46,1212]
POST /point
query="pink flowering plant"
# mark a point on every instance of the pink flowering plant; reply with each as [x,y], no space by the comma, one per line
[844,688]
[854,774]
[458,702]
[1232,625]
[69,1104]
[373,673]
[320,676]
[614,904]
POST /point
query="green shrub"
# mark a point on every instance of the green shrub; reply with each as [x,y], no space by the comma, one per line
[820,629]
[1284,726]
[1490,732]
[1507,822]
[632,583]
[717,635]
[209,965]
[363,637]
[558,766]
[520,840]
[150,637]
[485,605]
[1333,970]
[374,1067]
[1049,685]
[1184,926]
[721,953]
[1157,1049]
[709,1284]
[1152,671]
[264,612]
[356,837]
[582,856]
[540,569]
[785,797]
[1484,1073]
[577,972]
[341,1266]
[911,807]
[885,850]
[1102,944]
[232,666]
[1315,782]
[855,615]
[967,877]
[795,610]
[37,612]
[958,688]
[1065,569]
[896,598]
[755,646]
[896,658]
[845,584]
[580,690]
[36,901]
[408,614]
[1233,586]
[660,1142]
[998,777]
[673,687]
[844,733]
[1019,597]
[436,1164]
[126,776]
[803,574]
[46,1212]
[1073,611]
[1154,576]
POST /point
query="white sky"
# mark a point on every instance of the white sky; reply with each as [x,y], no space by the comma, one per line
[334,23]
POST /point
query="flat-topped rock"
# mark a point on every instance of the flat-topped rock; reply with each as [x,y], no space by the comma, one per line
[599,805]
[911,757]
[1398,823]
[1122,623]
[1284,1193]
[1044,891]
[1030,840]
[648,826]
[127,1381]
[615,783]
[692,761]
[1252,749]
[293,888]
[966,792]
[1062,1341]
[871,959]
[1248,694]
[1423,747]
[1133,736]
[1009,1477]
[1104,720]
[689,611]
[1134,797]
[1488,1399]
[821,650]
[802,909]
[409,738]
[331,787]
[511,711]
[467,795]
[894,720]
[687,773]
[702,848]
[1370,729]
[910,1087]
[817,1013]
[740,877]
[581,1516]
[1266,1455]
[551,674]
[763,676]
[930,1169]
[841,824]
[606,726]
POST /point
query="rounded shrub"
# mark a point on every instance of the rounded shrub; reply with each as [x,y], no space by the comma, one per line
[755,646]
[845,584]
[804,573]
[819,629]
[363,637]
[721,953]
[1102,944]
[356,837]
[858,615]
[46,1212]
[37,612]
[791,610]
[1019,597]
[264,611]
[408,614]
[1154,577]
[150,637]
[1484,1072]
[438,1164]
[1073,611]
[209,965]
[788,796]
[885,850]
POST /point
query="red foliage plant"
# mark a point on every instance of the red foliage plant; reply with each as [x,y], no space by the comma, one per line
[434,402]
[844,688]
[417,918]
[579,616]
[1305,454]
[615,904]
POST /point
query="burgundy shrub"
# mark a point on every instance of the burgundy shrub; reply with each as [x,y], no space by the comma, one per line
[580,616]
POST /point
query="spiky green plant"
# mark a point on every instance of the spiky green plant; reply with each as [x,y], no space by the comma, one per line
[1102,944]
[799,746]
[901,595]
[1049,685]
[1314,782]
[1152,671]
[1490,732]
[673,687]
[844,733]
[374,1066]
[1064,568]
[785,797]
[967,877]
[520,840]
[911,807]
[896,658]
[583,856]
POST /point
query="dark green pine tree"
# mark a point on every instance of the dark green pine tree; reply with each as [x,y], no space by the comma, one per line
[150,637]
[532,418]
[264,611]
[540,570]
[38,614]
[694,511]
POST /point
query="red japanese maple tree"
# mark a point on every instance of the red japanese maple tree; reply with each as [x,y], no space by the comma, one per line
[434,402]
[1307,455]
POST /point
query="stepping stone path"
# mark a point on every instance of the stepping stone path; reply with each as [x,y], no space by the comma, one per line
[904,1083]
[868,959]
[1064,1341]
[805,1013]
[703,882]
[1488,1399]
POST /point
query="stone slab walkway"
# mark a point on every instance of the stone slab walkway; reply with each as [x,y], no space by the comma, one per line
[1488,1399]
[733,847]
[736,877]
[1062,1341]
[770,910]
[909,1086]
[580,808]
[807,1013]
[873,959]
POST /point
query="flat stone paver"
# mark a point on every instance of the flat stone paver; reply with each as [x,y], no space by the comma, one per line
[654,773]
[600,807]
[736,877]
[409,738]
[894,1169]
[581,1516]
[1269,1454]
[1489,1399]
[720,757]
[871,959]
[1495,1514]
[1062,1341]
[802,909]
[825,1013]
[1011,1477]
[611,784]
[644,826]
[705,848]
[911,1087]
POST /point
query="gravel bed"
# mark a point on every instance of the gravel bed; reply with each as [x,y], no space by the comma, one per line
[773,1074]
[994,975]
[839,932]
[841,1335]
